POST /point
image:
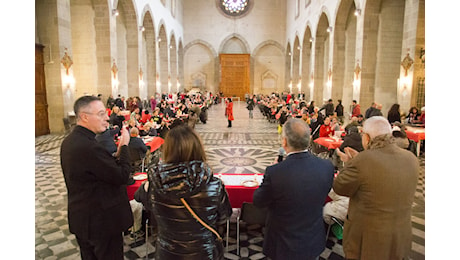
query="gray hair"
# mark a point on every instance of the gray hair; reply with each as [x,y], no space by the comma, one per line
[297,133]
[376,125]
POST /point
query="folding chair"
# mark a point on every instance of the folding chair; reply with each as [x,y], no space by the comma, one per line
[251,215]
[336,220]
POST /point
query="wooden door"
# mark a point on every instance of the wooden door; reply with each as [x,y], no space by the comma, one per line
[41,105]
[234,70]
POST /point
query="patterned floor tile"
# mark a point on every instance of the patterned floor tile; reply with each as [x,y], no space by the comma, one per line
[247,147]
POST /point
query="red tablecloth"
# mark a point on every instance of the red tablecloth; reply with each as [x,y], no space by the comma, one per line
[155,143]
[131,189]
[415,133]
[328,142]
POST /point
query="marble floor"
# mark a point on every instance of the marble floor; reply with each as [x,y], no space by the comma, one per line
[247,147]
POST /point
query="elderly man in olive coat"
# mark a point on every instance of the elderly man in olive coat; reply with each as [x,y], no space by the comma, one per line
[381,183]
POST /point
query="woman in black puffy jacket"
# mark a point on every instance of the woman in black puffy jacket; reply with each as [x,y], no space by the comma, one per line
[184,173]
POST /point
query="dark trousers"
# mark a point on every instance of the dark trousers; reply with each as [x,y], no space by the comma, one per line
[101,249]
[229,123]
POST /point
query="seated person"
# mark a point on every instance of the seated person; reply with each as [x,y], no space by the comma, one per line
[145,117]
[326,130]
[360,119]
[352,139]
[335,124]
[337,208]
[116,118]
[315,125]
[135,112]
[149,130]
[137,148]
[353,123]
[400,136]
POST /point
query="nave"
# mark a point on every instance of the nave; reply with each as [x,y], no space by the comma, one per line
[254,142]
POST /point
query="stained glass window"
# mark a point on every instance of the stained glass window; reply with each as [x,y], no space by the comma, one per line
[234,7]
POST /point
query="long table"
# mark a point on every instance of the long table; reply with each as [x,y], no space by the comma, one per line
[329,143]
[237,193]
[131,189]
[153,142]
[417,134]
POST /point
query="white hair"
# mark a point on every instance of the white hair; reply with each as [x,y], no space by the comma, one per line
[376,125]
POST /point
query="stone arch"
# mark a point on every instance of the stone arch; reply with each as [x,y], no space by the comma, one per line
[163,57]
[180,67]
[268,57]
[244,44]
[200,59]
[322,68]
[344,60]
[173,63]
[296,51]
[287,75]
[127,48]
[149,62]
[209,46]
[307,72]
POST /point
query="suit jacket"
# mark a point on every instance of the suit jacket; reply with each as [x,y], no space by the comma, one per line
[294,191]
[98,204]
[381,184]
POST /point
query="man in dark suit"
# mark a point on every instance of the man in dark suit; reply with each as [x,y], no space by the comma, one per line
[98,205]
[294,191]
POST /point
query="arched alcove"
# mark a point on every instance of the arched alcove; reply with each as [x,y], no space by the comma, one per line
[321,60]
[268,68]
[163,56]
[198,61]
[307,73]
[296,65]
[287,71]
[344,54]
[149,51]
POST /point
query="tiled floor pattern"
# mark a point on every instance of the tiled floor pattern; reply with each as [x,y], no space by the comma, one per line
[247,147]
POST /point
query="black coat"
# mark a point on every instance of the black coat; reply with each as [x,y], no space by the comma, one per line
[116,120]
[294,191]
[352,140]
[339,110]
[98,205]
[107,139]
[180,236]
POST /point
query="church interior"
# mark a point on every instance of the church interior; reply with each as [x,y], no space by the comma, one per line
[363,50]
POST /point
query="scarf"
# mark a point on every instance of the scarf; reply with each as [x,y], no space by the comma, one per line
[380,141]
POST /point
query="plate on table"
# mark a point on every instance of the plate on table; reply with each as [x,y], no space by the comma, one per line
[140,177]
[249,183]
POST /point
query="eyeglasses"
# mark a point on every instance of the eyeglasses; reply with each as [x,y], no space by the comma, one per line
[100,114]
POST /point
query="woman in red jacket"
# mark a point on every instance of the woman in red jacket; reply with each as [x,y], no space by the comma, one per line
[326,129]
[229,112]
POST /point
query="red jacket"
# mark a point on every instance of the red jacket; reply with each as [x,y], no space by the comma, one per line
[356,111]
[229,111]
[325,130]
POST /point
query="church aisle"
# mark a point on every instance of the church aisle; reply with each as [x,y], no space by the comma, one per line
[252,144]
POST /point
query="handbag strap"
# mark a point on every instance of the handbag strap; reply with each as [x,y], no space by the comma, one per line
[199,219]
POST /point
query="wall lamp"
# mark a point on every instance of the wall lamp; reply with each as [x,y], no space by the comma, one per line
[357,12]
[115,12]
[329,29]
[141,28]
[312,39]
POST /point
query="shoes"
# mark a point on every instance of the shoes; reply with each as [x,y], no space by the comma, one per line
[137,235]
